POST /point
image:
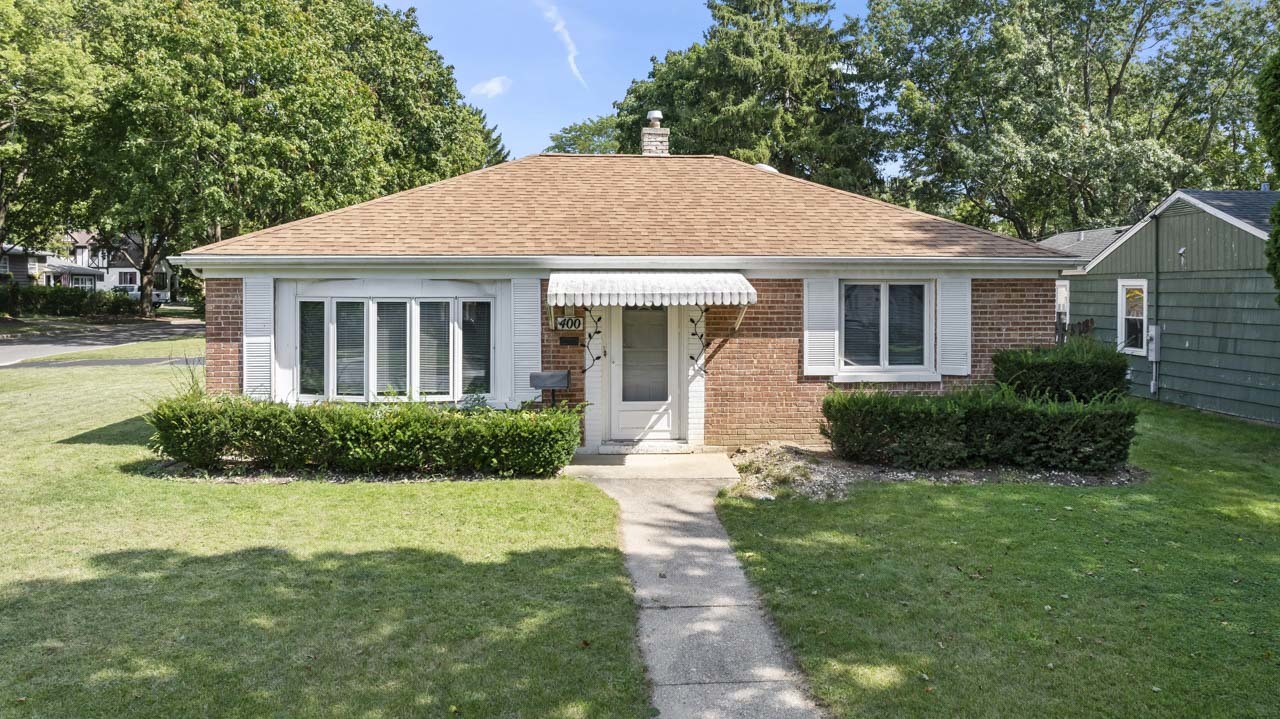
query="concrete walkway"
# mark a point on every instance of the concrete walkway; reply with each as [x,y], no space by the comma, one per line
[710,650]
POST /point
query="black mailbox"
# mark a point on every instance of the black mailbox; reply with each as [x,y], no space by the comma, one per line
[549,380]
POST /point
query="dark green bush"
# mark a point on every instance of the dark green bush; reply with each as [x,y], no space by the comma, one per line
[60,301]
[206,431]
[1081,368]
[979,428]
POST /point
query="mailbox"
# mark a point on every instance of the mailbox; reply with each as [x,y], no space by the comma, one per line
[549,380]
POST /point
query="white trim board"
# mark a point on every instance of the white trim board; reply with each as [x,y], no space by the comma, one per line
[1179,195]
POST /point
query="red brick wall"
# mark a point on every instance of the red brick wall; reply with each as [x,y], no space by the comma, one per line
[755,389]
[224,333]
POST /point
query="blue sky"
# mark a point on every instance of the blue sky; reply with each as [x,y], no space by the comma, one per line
[511,57]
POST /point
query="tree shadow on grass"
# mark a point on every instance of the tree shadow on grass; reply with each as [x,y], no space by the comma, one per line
[263,632]
[127,432]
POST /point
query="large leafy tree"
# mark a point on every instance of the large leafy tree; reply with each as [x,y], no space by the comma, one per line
[47,86]
[1269,126]
[773,81]
[220,117]
[594,136]
[1060,115]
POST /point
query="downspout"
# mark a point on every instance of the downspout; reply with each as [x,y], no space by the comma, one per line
[1153,307]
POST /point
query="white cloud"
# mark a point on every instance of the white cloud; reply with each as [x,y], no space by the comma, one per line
[492,87]
[552,14]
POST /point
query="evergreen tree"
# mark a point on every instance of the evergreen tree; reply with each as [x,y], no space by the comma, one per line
[772,82]
[496,153]
[1269,126]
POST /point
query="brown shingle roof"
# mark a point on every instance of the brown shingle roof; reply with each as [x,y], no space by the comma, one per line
[626,205]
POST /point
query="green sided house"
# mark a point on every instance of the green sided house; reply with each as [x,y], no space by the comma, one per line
[687,300]
[1186,294]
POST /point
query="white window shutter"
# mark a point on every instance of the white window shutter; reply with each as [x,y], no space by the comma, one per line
[821,330]
[955,326]
[526,333]
[259,321]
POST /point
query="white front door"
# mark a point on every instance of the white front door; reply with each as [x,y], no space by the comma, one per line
[643,380]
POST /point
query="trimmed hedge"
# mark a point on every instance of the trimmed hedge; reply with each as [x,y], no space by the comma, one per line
[1081,368]
[979,428]
[60,301]
[207,431]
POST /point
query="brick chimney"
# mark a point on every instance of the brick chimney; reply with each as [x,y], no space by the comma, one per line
[655,139]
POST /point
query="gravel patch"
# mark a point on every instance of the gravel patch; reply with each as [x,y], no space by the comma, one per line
[814,473]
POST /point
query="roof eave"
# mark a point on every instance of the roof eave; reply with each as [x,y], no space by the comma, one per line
[605,262]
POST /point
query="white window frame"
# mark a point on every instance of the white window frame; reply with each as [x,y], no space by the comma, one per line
[1121,325]
[297,350]
[331,352]
[4,263]
[493,346]
[132,276]
[33,265]
[371,349]
[927,372]
[82,282]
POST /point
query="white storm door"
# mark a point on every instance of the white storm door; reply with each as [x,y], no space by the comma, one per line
[643,386]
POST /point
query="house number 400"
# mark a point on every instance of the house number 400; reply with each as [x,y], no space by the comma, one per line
[569,324]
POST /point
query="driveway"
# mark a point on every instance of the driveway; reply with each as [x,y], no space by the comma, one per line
[709,647]
[20,348]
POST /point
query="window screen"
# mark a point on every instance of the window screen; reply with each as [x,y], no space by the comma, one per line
[906,324]
[1135,317]
[393,349]
[476,360]
[644,354]
[862,325]
[433,348]
[350,352]
[311,328]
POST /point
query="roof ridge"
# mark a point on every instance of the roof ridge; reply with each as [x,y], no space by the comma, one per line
[340,210]
[882,203]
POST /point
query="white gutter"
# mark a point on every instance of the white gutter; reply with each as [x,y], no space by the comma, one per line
[643,262]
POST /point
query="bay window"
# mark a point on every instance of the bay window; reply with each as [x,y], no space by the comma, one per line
[370,349]
[886,326]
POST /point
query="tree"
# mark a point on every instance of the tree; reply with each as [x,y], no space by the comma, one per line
[496,153]
[772,82]
[47,87]
[1054,116]
[593,136]
[1269,126]
[221,117]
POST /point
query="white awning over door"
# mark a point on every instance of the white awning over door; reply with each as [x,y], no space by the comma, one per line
[644,289]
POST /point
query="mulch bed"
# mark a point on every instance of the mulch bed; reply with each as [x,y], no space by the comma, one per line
[816,474]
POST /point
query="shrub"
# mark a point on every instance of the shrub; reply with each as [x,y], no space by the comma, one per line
[1081,368]
[60,301]
[206,431]
[979,428]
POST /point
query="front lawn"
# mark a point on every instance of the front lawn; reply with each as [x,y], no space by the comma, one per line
[127,593]
[1161,598]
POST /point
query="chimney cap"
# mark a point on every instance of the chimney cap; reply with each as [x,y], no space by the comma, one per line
[655,118]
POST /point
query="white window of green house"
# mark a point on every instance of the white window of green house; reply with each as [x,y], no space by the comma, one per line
[4,263]
[1131,320]
[432,349]
[886,327]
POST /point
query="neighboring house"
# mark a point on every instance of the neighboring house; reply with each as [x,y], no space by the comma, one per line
[1186,294]
[691,300]
[120,267]
[22,266]
[59,271]
[1082,244]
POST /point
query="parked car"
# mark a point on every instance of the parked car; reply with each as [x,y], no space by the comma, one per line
[158,297]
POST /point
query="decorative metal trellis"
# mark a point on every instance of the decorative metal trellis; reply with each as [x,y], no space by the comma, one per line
[699,333]
[591,335]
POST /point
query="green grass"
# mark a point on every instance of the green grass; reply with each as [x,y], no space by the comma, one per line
[1159,599]
[127,593]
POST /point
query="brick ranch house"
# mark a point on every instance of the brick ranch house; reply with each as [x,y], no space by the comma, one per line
[693,300]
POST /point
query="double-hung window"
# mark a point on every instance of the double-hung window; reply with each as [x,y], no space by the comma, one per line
[886,327]
[1131,320]
[437,349]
